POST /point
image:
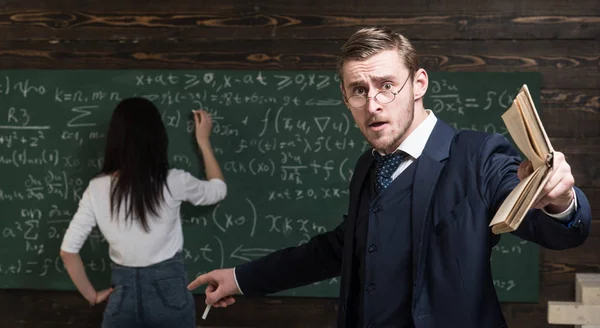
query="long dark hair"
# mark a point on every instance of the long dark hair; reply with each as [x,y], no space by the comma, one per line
[136,159]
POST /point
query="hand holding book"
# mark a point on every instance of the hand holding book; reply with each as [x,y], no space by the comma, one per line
[546,179]
[552,203]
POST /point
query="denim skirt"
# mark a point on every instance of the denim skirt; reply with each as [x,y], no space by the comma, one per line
[152,296]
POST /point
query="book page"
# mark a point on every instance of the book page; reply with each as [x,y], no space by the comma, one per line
[514,208]
[534,131]
[537,184]
[536,116]
[513,120]
[510,202]
[498,229]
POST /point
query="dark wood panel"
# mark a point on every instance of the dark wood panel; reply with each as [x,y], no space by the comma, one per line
[586,174]
[435,6]
[63,307]
[274,312]
[235,25]
[571,113]
[24,324]
[311,6]
[581,154]
[133,5]
[563,64]
[593,196]
[557,61]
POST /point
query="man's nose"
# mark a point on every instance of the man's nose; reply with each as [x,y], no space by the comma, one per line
[372,105]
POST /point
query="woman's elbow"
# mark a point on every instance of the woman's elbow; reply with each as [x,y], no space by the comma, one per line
[214,195]
[222,194]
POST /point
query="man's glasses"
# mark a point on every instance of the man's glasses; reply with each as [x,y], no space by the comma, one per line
[382,97]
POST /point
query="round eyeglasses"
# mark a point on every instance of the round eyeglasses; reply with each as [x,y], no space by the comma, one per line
[382,97]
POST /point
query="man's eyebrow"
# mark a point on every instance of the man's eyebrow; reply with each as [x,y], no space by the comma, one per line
[377,79]
[384,78]
[355,83]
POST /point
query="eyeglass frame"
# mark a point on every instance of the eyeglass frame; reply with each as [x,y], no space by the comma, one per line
[347,99]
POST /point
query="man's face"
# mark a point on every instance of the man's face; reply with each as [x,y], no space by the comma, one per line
[383,125]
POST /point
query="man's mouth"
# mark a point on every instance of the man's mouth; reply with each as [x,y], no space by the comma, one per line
[378,125]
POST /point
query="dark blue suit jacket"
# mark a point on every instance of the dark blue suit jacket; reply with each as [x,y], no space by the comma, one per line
[461,180]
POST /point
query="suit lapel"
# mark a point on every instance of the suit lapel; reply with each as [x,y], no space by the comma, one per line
[429,166]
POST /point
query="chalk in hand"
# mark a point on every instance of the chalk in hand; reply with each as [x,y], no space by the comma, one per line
[205,312]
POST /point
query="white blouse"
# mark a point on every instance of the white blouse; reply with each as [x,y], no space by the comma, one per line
[129,244]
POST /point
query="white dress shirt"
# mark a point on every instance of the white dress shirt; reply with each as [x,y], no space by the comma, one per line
[129,244]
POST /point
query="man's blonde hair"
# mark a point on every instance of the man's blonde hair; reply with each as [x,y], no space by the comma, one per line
[368,42]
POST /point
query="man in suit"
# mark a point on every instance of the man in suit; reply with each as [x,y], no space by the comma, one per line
[414,248]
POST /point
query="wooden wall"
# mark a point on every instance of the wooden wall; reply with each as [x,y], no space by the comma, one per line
[559,38]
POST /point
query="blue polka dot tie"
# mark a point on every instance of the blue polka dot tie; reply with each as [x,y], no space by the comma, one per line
[386,166]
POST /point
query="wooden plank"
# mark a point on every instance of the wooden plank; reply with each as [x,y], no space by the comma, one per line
[266,24]
[556,62]
[563,64]
[47,324]
[579,153]
[569,313]
[70,307]
[259,312]
[593,196]
[436,6]
[266,313]
[571,113]
[517,315]
[587,288]
[528,316]
[304,6]
[135,5]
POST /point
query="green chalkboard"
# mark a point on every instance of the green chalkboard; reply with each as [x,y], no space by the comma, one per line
[285,141]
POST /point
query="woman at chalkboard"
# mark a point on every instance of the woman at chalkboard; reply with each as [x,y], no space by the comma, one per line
[135,203]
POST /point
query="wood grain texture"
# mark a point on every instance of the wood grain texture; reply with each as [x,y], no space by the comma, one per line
[593,196]
[267,24]
[571,113]
[563,64]
[311,6]
[581,154]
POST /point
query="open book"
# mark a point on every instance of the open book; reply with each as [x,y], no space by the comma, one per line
[527,131]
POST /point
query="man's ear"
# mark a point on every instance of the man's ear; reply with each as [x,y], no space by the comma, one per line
[420,84]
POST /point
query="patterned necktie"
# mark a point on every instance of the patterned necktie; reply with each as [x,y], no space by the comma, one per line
[386,166]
